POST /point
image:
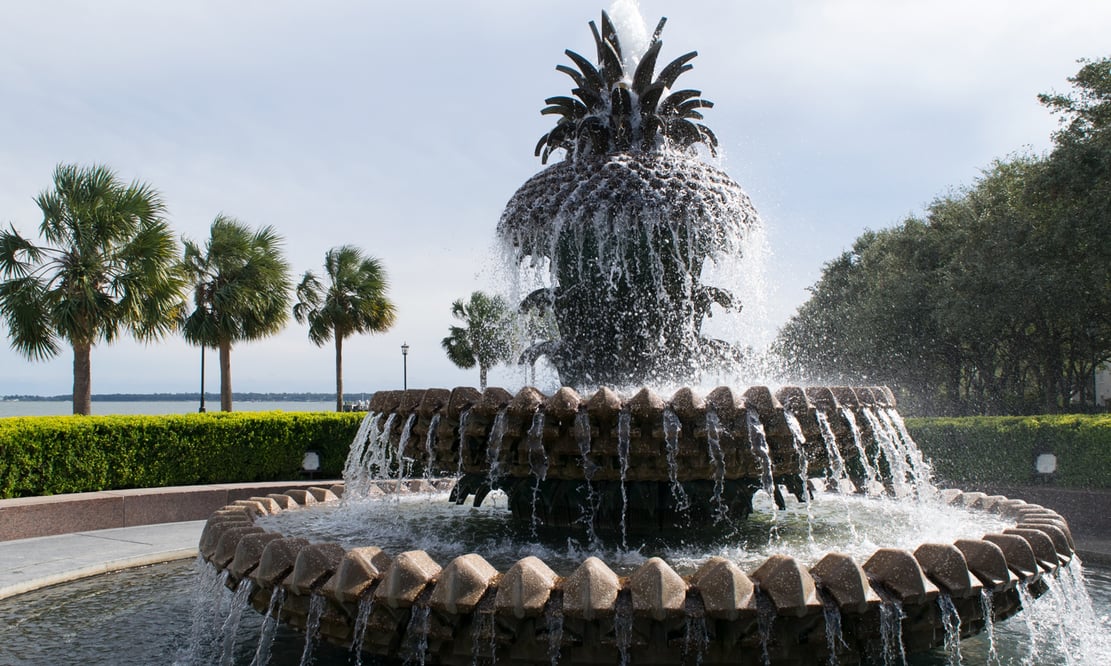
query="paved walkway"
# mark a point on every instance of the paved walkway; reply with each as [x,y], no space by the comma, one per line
[28,564]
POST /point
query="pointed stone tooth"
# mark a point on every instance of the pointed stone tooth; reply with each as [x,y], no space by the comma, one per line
[900,572]
[524,590]
[277,561]
[462,398]
[865,396]
[726,591]
[315,563]
[646,405]
[214,528]
[433,401]
[338,489]
[821,397]
[410,400]
[952,496]
[563,405]
[688,405]
[302,497]
[257,508]
[526,402]
[591,591]
[406,578]
[249,552]
[846,582]
[1056,534]
[657,590]
[385,402]
[726,403]
[1041,544]
[224,552]
[944,564]
[793,398]
[789,585]
[761,398]
[359,568]
[282,500]
[1019,554]
[493,399]
[845,396]
[461,584]
[604,404]
[323,495]
[268,504]
[967,500]
[987,562]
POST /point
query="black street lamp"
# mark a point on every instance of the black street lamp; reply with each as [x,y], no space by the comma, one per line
[405,366]
[201,410]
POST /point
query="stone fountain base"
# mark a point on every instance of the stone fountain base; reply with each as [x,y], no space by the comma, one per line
[468,610]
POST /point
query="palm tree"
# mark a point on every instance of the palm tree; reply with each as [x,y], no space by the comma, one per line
[354,301]
[484,339]
[241,290]
[108,266]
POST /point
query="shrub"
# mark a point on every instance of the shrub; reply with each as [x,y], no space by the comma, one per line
[1001,450]
[64,454]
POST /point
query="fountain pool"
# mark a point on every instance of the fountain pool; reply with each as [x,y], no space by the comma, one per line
[151,611]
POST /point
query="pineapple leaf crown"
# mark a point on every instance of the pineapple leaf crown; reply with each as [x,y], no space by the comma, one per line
[612,111]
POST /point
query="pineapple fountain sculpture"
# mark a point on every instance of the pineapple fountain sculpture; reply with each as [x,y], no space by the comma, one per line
[624,225]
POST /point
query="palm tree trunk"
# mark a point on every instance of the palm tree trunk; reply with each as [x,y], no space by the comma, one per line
[82,378]
[339,373]
[225,375]
[481,377]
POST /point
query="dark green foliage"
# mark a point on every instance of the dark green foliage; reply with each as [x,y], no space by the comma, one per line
[998,300]
[975,452]
[106,267]
[484,339]
[51,454]
[618,111]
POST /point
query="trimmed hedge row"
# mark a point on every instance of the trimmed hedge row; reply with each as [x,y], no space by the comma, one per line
[985,451]
[48,455]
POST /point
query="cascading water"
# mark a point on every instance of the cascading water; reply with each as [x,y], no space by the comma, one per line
[582,437]
[758,440]
[269,626]
[317,604]
[671,428]
[717,459]
[230,630]
[366,607]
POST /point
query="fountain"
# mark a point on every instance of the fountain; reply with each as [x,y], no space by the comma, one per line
[624,227]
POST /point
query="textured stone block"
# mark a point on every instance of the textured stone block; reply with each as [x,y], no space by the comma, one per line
[524,590]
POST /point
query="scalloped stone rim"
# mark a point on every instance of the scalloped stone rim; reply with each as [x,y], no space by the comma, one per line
[462,592]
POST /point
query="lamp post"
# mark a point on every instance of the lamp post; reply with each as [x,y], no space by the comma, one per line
[405,366]
[201,410]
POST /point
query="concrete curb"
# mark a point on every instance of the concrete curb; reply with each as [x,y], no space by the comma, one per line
[31,517]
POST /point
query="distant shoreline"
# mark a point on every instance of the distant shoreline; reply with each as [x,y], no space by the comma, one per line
[180,397]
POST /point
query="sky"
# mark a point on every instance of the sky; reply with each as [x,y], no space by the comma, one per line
[404,128]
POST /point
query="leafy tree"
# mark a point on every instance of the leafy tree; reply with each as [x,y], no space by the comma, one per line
[484,339]
[999,299]
[108,265]
[353,301]
[241,291]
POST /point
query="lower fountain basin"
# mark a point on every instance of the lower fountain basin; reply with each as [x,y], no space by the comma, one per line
[405,604]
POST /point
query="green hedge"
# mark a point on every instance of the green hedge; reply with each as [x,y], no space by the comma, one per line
[48,455]
[1001,450]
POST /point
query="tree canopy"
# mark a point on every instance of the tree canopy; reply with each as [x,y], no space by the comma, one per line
[998,299]
[484,339]
[241,290]
[108,266]
[352,300]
